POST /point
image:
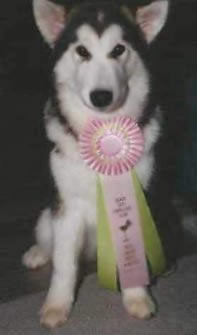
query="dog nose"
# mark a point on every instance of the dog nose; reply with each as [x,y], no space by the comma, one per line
[101,98]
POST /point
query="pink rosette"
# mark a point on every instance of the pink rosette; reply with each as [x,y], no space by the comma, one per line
[112,146]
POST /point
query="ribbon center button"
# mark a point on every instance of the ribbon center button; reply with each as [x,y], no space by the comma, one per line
[110,145]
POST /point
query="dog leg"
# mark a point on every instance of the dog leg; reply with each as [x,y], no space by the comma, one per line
[68,242]
[40,253]
[138,303]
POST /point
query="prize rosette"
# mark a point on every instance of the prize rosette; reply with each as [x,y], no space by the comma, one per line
[127,236]
[113,146]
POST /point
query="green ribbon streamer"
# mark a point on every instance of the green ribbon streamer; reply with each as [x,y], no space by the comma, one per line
[106,259]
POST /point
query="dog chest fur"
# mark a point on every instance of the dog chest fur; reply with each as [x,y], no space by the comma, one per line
[74,179]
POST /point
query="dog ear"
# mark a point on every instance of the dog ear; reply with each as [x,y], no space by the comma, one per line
[50,19]
[151,18]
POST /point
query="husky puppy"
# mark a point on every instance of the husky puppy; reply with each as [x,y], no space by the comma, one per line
[101,67]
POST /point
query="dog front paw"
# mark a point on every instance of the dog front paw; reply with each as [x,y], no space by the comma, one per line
[139,303]
[53,316]
[34,258]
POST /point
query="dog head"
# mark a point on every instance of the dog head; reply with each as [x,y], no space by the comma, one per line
[99,49]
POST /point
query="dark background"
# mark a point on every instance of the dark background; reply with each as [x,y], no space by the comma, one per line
[24,177]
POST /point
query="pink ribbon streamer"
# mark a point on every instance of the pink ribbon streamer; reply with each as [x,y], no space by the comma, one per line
[124,220]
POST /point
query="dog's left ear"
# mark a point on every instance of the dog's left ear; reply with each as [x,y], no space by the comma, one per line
[50,19]
[151,18]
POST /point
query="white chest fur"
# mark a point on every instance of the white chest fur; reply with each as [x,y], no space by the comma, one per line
[76,183]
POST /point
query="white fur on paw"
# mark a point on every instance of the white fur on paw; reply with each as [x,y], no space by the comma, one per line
[53,316]
[34,258]
[140,307]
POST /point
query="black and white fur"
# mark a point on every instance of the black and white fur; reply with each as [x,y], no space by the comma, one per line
[64,233]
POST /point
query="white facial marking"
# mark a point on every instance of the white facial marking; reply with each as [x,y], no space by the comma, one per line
[100,72]
[124,77]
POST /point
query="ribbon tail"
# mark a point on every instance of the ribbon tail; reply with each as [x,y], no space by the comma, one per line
[152,242]
[106,259]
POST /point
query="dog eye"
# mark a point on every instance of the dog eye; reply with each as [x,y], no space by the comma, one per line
[83,52]
[117,51]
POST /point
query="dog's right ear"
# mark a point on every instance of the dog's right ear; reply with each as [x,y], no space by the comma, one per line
[50,19]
